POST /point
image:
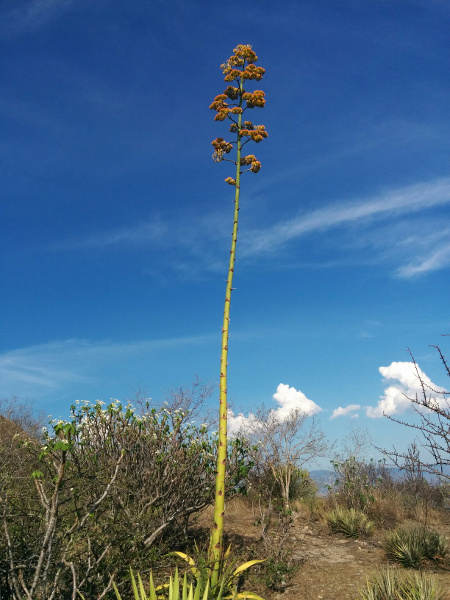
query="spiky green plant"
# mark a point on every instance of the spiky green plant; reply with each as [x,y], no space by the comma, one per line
[231,105]
[174,590]
[413,546]
[349,521]
[388,584]
[229,574]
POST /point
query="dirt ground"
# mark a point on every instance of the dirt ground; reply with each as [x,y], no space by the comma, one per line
[331,567]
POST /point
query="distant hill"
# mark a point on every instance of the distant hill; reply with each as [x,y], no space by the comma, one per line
[324,477]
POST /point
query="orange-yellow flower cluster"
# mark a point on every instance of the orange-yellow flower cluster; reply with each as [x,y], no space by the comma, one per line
[219,102]
[247,160]
[257,133]
[232,92]
[221,147]
[245,52]
[230,181]
[221,107]
[255,99]
[242,54]
[232,74]
[250,159]
[252,72]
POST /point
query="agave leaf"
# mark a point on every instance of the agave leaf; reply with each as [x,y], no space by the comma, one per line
[176,586]
[143,595]
[206,593]
[118,596]
[184,592]
[246,566]
[190,561]
[134,586]
[152,588]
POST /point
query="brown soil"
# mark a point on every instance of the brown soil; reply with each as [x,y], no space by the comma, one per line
[331,567]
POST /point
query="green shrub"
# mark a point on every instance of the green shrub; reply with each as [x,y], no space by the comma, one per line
[413,546]
[349,521]
[357,481]
[276,572]
[111,486]
[389,585]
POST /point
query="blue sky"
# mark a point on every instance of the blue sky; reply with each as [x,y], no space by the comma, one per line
[116,222]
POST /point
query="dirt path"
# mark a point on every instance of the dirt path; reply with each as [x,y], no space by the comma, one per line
[334,568]
[331,567]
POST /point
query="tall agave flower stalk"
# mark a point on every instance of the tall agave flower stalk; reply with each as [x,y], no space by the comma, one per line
[231,105]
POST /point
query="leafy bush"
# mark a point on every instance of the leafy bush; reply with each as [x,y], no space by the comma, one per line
[389,585]
[357,481]
[110,487]
[276,572]
[301,487]
[350,522]
[412,547]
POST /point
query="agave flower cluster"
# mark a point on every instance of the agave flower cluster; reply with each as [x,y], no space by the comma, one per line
[233,103]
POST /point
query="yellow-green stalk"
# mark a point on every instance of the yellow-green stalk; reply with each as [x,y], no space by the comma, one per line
[239,67]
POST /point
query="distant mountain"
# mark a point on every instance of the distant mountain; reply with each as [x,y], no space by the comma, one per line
[324,477]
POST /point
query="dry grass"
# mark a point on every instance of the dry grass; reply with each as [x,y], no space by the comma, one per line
[329,567]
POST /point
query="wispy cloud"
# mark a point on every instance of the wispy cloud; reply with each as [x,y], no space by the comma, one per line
[54,366]
[433,261]
[380,223]
[146,233]
[344,411]
[387,205]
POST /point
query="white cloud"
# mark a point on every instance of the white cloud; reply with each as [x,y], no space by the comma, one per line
[288,400]
[347,410]
[241,423]
[405,385]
